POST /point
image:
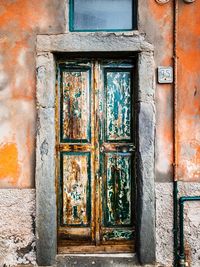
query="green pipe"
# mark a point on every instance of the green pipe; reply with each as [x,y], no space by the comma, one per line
[175,226]
[182,200]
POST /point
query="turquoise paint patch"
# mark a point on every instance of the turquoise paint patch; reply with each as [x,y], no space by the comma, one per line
[118,104]
[119,235]
[118,193]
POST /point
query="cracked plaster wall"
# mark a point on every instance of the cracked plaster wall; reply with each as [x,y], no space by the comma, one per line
[191,222]
[164,223]
[17,226]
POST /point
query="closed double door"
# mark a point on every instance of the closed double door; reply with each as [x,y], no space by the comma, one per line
[95,155]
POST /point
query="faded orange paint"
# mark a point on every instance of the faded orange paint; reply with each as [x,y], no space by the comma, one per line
[22,20]
[189,92]
[159,29]
[9,165]
[160,12]
[160,21]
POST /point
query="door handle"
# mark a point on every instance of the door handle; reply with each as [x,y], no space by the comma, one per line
[102,148]
[128,148]
[131,148]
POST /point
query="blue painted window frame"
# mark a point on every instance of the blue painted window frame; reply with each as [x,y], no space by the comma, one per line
[71,20]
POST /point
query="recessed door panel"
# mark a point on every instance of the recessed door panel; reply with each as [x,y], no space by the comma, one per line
[76,196]
[117,190]
[118,104]
[75,113]
[120,235]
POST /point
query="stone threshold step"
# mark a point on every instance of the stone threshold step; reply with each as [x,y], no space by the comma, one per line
[99,260]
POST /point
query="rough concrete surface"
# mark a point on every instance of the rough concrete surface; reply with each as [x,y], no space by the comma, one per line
[17,243]
[46,221]
[17,222]
[46,225]
[191,222]
[46,228]
[145,183]
[45,80]
[100,260]
[91,42]
[164,223]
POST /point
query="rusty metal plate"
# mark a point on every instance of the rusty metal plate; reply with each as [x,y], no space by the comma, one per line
[118,104]
[75,105]
[76,189]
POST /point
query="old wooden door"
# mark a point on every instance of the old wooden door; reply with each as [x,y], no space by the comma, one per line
[95,155]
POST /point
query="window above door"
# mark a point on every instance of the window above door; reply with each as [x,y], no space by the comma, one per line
[102,15]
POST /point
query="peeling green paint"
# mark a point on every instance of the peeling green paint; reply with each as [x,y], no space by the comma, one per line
[96,143]
[118,189]
[118,235]
[118,104]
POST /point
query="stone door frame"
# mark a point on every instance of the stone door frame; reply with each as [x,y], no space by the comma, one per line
[46,209]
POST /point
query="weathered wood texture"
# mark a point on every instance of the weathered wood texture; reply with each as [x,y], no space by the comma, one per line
[118,105]
[75,105]
[76,189]
[95,152]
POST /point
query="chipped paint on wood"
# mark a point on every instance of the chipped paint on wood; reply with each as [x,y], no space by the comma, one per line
[118,105]
[117,210]
[118,234]
[106,156]
[116,151]
[76,189]
[76,105]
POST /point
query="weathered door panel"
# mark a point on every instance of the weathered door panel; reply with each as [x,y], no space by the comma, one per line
[116,153]
[117,190]
[95,153]
[76,153]
[76,188]
[75,105]
[118,104]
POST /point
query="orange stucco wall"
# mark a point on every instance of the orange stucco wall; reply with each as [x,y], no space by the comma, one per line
[22,20]
[189,92]
[157,23]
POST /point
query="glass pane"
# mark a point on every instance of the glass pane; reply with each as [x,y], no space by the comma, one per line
[102,15]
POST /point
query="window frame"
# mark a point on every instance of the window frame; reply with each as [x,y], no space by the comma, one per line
[71,20]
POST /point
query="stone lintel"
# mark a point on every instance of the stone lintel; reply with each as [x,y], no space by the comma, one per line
[93,42]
